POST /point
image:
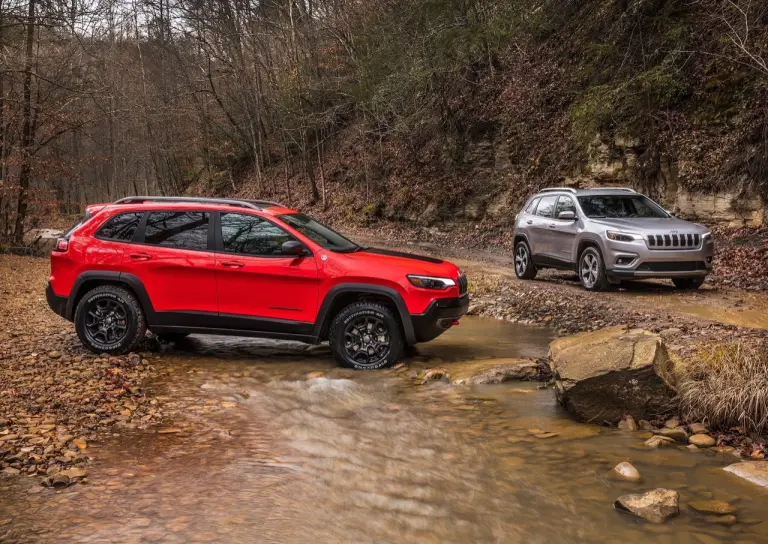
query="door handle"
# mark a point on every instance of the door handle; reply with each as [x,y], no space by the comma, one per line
[232,264]
[530,222]
[141,256]
[553,226]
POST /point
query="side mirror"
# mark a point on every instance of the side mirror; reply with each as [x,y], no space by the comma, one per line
[567,216]
[293,248]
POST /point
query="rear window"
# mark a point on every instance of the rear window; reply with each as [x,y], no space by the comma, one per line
[181,230]
[121,227]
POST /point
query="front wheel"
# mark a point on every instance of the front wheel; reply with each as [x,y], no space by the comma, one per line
[366,336]
[525,269]
[592,270]
[688,283]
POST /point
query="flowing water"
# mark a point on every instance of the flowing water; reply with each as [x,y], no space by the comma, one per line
[265,453]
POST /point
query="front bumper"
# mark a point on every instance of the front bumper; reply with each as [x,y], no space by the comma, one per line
[57,303]
[438,317]
[636,260]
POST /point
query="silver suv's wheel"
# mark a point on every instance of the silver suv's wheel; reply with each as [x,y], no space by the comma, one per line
[524,267]
[592,270]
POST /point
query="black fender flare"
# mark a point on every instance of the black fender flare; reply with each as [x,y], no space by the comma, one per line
[129,280]
[323,319]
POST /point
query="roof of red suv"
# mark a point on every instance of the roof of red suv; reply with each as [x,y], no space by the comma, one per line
[155,202]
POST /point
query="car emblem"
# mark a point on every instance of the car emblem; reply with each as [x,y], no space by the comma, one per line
[323,257]
[673,232]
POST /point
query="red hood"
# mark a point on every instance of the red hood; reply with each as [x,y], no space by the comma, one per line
[407,262]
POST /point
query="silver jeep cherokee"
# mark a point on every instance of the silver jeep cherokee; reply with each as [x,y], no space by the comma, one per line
[606,235]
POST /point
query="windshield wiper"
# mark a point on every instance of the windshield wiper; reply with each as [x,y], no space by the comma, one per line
[359,248]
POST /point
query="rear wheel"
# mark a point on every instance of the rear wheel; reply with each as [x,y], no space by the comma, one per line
[109,319]
[688,283]
[592,270]
[366,336]
[525,269]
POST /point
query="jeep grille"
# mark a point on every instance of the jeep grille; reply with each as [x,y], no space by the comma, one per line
[674,241]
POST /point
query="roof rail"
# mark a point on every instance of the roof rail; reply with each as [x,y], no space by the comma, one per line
[253,204]
[558,189]
[628,189]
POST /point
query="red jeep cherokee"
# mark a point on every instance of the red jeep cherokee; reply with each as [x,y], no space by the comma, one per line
[178,266]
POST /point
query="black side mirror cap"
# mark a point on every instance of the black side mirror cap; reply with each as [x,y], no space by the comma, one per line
[293,248]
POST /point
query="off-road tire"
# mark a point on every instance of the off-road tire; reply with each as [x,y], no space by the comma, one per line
[374,313]
[685,284]
[525,269]
[136,324]
[591,270]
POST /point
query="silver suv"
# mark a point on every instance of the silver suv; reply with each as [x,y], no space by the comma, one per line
[606,235]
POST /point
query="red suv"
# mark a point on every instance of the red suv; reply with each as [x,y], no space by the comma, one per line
[178,266]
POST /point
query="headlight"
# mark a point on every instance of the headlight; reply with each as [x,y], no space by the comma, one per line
[430,282]
[706,237]
[623,236]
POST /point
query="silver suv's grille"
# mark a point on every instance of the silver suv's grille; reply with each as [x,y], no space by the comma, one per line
[462,284]
[674,241]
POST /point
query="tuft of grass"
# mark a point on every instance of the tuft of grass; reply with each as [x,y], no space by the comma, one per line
[727,386]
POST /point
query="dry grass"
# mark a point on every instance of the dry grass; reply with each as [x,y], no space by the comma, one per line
[727,386]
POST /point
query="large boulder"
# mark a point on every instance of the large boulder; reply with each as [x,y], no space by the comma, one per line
[752,471]
[42,241]
[605,375]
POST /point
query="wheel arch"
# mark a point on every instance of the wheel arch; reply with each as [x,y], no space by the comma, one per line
[91,279]
[583,244]
[340,296]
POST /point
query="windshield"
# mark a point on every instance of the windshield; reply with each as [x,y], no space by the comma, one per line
[319,233]
[620,206]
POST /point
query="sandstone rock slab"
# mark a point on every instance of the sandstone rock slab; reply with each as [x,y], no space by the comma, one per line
[655,506]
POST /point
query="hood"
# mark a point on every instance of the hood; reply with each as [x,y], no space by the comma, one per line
[407,262]
[650,225]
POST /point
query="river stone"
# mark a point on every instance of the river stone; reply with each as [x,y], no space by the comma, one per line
[645,425]
[677,434]
[702,440]
[482,374]
[712,507]
[655,506]
[602,376]
[672,423]
[698,428]
[721,520]
[752,471]
[659,441]
[626,471]
[627,424]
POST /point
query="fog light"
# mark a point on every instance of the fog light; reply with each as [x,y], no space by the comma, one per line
[624,261]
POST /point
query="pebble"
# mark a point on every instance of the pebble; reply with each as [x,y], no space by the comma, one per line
[702,440]
[659,441]
[712,507]
[626,471]
[721,520]
[628,424]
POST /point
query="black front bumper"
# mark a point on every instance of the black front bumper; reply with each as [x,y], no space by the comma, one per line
[58,304]
[438,317]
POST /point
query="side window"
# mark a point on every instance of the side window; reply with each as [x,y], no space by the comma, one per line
[564,204]
[546,205]
[121,227]
[182,230]
[532,205]
[251,235]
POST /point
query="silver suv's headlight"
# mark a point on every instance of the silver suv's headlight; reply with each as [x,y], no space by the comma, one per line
[622,236]
[431,282]
[707,238]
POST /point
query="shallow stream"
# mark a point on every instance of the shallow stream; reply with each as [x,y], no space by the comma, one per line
[266,454]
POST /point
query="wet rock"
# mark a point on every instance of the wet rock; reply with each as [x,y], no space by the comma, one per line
[169,430]
[604,375]
[315,375]
[698,428]
[433,374]
[626,471]
[672,423]
[702,440]
[655,506]
[80,443]
[493,371]
[645,425]
[721,520]
[678,434]
[628,424]
[752,471]
[476,309]
[659,441]
[54,354]
[712,507]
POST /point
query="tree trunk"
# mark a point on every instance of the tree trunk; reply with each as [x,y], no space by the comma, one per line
[27,128]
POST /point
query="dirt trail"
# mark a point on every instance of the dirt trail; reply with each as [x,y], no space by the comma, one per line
[489,271]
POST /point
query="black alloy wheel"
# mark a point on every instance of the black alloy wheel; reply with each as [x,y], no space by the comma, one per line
[367,341]
[106,321]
